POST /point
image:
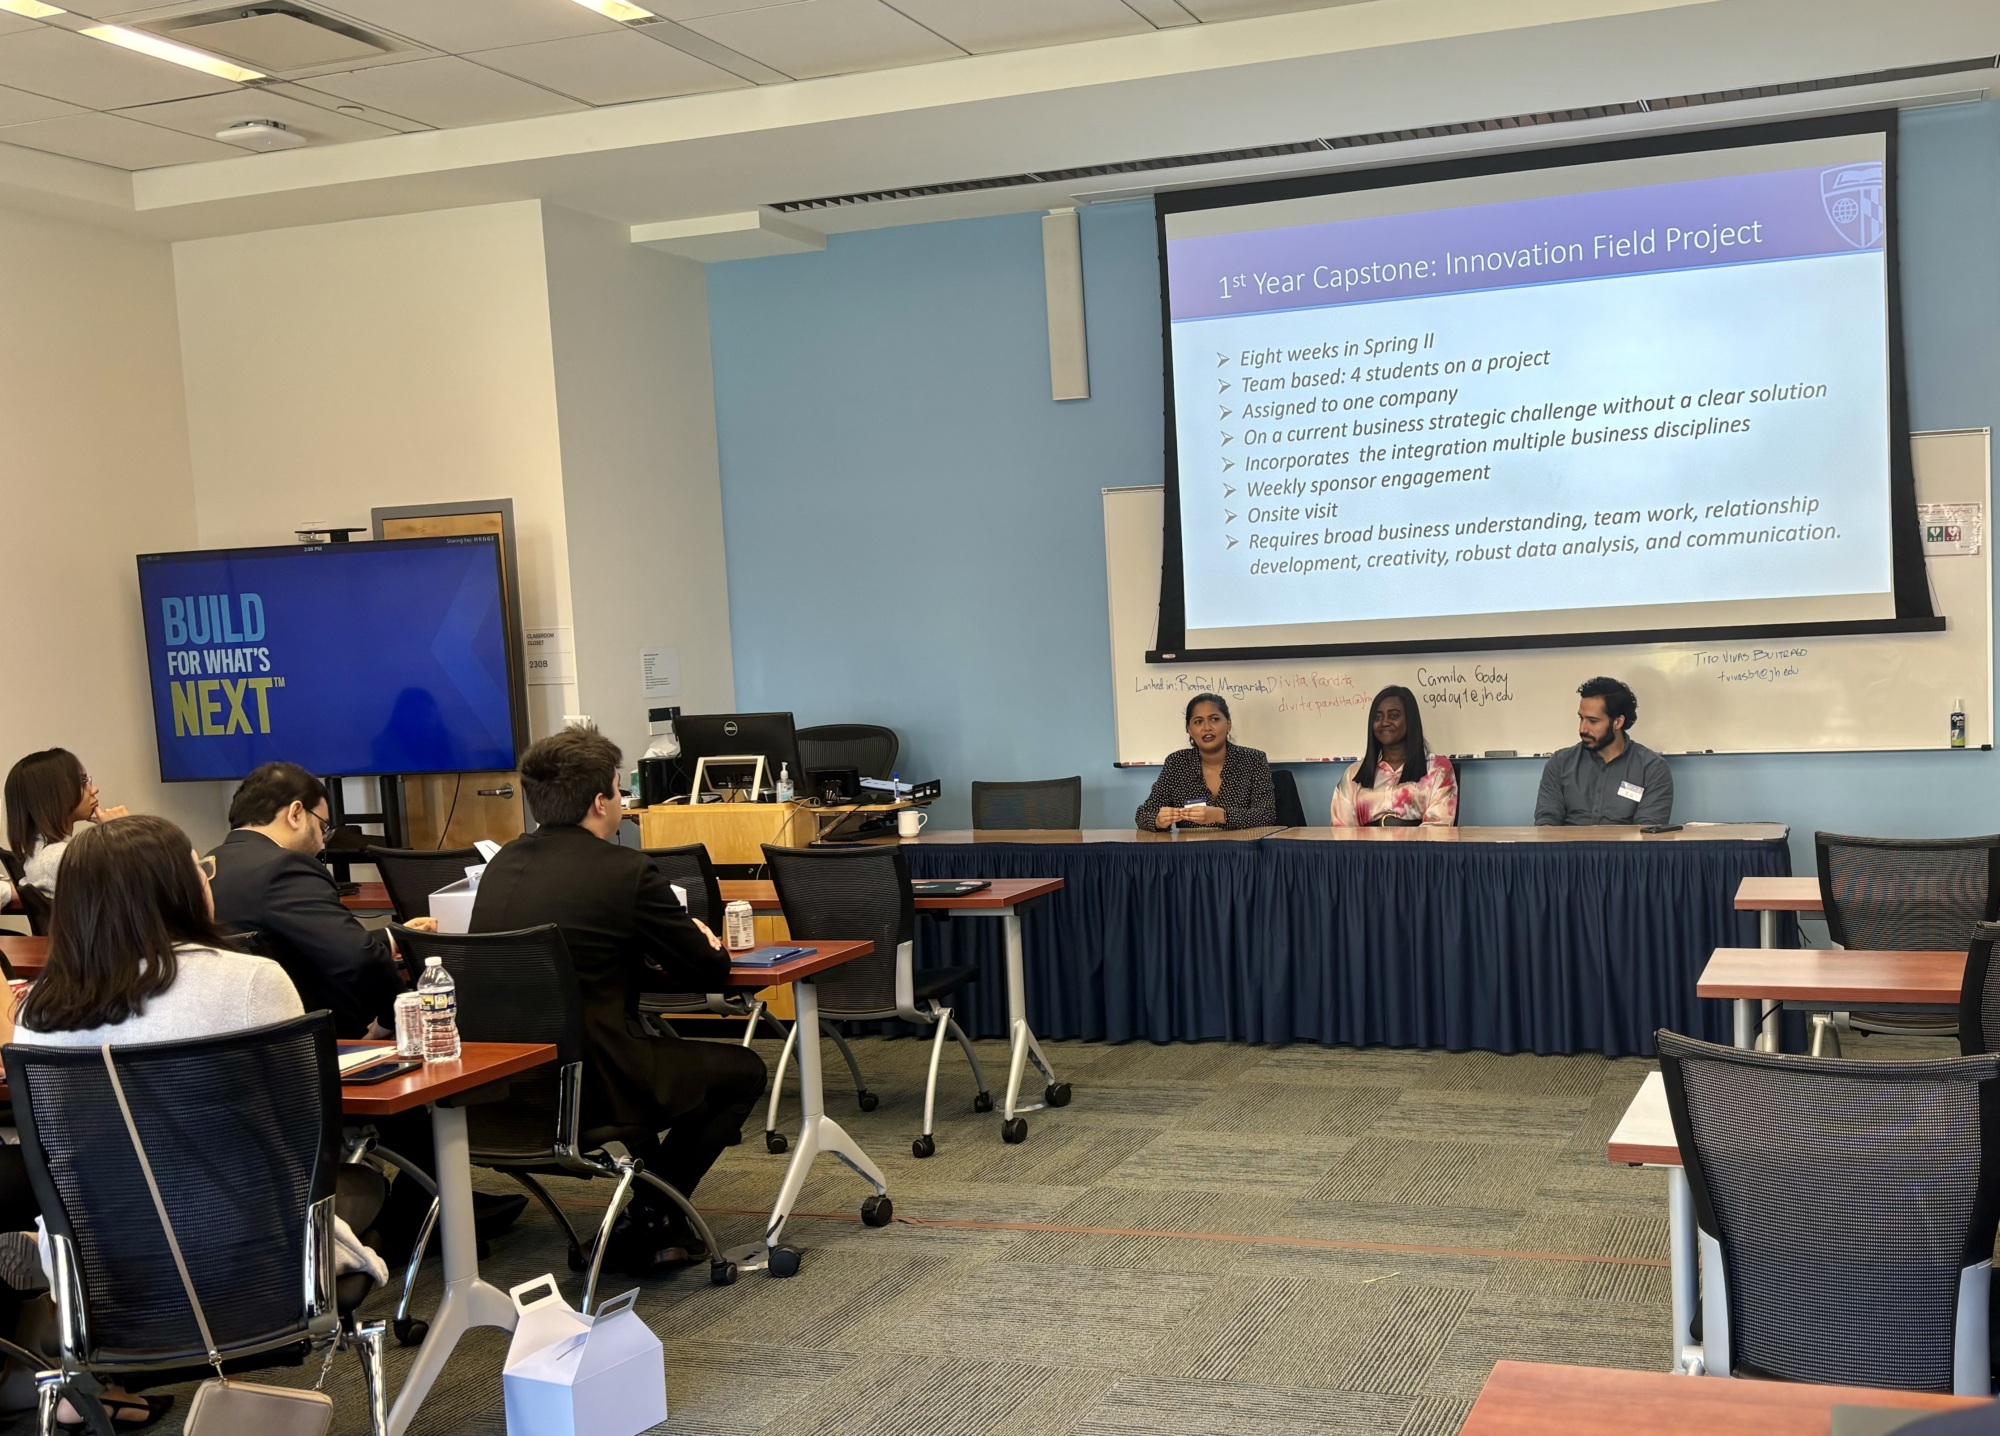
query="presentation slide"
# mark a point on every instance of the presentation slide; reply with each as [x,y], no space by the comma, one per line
[349,659]
[1649,394]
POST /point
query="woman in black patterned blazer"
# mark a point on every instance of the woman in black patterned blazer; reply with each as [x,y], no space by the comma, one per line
[1212,783]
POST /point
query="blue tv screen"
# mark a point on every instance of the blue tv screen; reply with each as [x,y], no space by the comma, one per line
[348,659]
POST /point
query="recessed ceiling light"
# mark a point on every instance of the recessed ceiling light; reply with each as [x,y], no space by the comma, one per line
[33,9]
[619,10]
[161,49]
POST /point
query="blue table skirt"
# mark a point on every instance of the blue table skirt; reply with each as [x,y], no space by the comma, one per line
[1509,947]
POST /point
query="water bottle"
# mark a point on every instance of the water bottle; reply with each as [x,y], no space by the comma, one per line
[784,782]
[439,995]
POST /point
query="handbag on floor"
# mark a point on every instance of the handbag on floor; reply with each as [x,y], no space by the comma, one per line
[222,1407]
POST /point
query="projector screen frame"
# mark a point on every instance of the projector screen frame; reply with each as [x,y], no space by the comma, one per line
[1910,584]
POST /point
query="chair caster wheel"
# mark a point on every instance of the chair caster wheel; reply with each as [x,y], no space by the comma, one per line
[868,1100]
[411,1332]
[877,1210]
[924,1146]
[776,1141]
[722,1273]
[1015,1131]
[983,1102]
[784,1262]
[1057,1094]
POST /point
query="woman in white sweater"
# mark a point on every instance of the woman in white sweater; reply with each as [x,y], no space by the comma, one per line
[49,798]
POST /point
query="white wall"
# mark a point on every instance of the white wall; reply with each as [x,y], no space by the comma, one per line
[641,487]
[406,360]
[93,469]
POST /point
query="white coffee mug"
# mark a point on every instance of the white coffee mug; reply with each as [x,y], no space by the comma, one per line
[910,822]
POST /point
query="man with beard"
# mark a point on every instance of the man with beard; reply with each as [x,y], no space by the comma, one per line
[1606,778]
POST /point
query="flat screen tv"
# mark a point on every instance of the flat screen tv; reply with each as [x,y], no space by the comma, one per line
[349,659]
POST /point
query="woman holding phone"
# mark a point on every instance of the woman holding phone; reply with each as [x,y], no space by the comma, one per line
[1211,783]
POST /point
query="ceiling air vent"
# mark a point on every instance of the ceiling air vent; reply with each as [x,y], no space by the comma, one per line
[276,39]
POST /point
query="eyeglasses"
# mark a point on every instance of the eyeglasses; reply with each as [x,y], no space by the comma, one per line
[325,825]
[207,866]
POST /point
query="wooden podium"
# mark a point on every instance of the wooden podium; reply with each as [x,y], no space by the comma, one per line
[733,833]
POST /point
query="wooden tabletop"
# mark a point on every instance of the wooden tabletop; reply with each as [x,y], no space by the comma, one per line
[1074,837]
[368,897]
[1778,895]
[1700,833]
[478,1064]
[1523,1397]
[1003,893]
[822,956]
[26,955]
[1842,975]
[1645,1134]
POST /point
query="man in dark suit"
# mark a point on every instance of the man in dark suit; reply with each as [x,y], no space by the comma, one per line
[626,933]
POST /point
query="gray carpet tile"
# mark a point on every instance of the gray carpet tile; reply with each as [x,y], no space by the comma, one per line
[1213,1239]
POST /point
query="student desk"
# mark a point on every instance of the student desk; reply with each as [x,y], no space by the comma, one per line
[368,897]
[1645,1138]
[1839,979]
[26,956]
[1529,1398]
[1767,897]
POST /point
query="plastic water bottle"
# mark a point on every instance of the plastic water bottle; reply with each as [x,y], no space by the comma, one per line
[784,782]
[439,996]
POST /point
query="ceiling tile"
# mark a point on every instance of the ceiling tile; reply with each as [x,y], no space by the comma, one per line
[17,107]
[1242,9]
[984,26]
[693,9]
[610,69]
[10,24]
[464,25]
[446,91]
[346,109]
[203,116]
[115,140]
[94,74]
[826,37]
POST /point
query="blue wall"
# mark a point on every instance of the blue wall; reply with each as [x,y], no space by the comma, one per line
[915,535]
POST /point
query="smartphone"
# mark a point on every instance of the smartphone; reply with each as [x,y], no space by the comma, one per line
[380,1071]
[1662,828]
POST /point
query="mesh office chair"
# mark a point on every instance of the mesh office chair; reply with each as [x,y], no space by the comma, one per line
[1846,1213]
[1902,894]
[521,987]
[34,902]
[868,749]
[864,893]
[1039,803]
[243,1133]
[412,874]
[1979,994]
[1291,813]
[689,869]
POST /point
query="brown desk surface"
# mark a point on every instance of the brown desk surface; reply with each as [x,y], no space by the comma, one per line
[371,897]
[1817,975]
[823,956]
[1778,895]
[1072,837]
[1004,892]
[1715,833]
[26,955]
[478,1064]
[1522,1397]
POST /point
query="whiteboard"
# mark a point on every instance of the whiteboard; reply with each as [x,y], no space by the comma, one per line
[1859,692]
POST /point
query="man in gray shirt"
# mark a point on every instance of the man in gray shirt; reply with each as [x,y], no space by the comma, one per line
[1606,778]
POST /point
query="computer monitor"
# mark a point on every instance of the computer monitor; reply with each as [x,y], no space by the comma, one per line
[770,736]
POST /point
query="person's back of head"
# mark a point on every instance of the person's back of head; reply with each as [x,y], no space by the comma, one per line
[270,790]
[130,891]
[43,793]
[562,775]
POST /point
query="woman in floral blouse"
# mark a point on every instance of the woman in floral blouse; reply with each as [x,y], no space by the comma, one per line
[1408,785]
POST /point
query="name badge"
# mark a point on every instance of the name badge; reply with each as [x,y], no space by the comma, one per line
[1632,791]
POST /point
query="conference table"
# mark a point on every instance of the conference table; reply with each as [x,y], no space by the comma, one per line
[1829,980]
[1547,940]
[1530,1398]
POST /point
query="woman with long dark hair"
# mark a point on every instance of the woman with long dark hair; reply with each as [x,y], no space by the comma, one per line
[1211,783]
[49,795]
[1407,784]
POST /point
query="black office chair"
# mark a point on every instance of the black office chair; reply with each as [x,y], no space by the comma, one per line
[1846,1213]
[412,874]
[1979,994]
[243,1133]
[865,747]
[864,893]
[521,987]
[1055,803]
[1902,894]
[689,869]
[34,902]
[1285,788]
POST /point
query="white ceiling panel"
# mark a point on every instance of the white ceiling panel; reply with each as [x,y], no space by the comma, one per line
[116,141]
[94,74]
[446,92]
[9,24]
[460,26]
[347,109]
[206,114]
[693,9]
[985,26]
[826,37]
[17,107]
[610,69]
[1243,9]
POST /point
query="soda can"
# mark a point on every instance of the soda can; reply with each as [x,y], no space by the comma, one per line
[739,926]
[409,1025]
